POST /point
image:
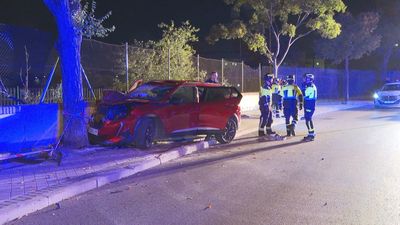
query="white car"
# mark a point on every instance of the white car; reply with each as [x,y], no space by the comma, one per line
[388,96]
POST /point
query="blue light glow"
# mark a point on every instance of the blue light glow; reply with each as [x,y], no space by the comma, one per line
[376,96]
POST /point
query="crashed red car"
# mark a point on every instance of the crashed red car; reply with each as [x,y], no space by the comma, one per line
[161,110]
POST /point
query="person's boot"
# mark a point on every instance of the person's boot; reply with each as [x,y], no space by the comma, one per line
[288,133]
[293,133]
[261,133]
[309,137]
[270,132]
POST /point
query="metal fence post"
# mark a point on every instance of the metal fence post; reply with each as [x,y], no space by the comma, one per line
[259,74]
[18,94]
[88,83]
[222,70]
[198,67]
[127,65]
[242,76]
[49,79]
[169,63]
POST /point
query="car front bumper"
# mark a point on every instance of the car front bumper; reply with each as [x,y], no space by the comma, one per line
[388,104]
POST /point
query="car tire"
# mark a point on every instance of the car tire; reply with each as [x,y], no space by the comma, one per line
[145,135]
[93,140]
[229,132]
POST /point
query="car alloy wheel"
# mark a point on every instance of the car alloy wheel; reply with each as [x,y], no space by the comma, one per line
[145,133]
[228,133]
[149,136]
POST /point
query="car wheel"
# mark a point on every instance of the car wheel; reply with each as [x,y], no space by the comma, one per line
[145,134]
[229,132]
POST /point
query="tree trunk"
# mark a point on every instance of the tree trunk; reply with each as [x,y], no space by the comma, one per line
[347,77]
[276,68]
[69,47]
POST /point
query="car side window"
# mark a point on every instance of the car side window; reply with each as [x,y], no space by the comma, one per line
[202,92]
[184,95]
[235,93]
[213,94]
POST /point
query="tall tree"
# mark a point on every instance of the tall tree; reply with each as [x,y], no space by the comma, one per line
[151,58]
[389,28]
[73,21]
[272,27]
[176,44]
[358,38]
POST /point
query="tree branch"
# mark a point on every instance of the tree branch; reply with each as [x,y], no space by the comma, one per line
[299,23]
[302,35]
[278,45]
[290,43]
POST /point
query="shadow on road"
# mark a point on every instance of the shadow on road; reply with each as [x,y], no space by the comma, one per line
[169,169]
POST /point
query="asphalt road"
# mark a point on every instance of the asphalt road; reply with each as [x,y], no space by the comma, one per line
[349,175]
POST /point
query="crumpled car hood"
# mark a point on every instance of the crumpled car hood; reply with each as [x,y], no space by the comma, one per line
[111,97]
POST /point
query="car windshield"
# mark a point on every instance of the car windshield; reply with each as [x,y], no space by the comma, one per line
[391,87]
[151,91]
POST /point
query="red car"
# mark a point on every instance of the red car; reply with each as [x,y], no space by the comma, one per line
[160,110]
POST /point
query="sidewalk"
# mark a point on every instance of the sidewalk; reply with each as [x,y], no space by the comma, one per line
[28,186]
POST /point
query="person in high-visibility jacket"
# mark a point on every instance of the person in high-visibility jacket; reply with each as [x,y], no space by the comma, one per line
[276,97]
[310,98]
[292,98]
[265,106]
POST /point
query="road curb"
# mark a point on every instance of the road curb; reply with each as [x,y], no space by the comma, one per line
[26,204]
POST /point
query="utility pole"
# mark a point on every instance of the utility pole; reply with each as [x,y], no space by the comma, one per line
[198,67]
[222,70]
[242,76]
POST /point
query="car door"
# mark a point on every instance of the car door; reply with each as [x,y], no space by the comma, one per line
[217,105]
[182,111]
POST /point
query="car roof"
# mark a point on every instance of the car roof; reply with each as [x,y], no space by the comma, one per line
[393,83]
[188,82]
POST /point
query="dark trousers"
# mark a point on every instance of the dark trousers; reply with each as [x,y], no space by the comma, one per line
[265,120]
[309,109]
[290,111]
[276,103]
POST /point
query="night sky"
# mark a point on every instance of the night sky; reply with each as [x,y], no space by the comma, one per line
[134,19]
[138,19]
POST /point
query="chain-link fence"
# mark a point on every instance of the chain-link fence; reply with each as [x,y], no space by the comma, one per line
[27,58]
[235,73]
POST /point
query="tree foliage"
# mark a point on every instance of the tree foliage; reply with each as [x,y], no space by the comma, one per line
[358,38]
[286,20]
[389,28]
[92,26]
[149,60]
